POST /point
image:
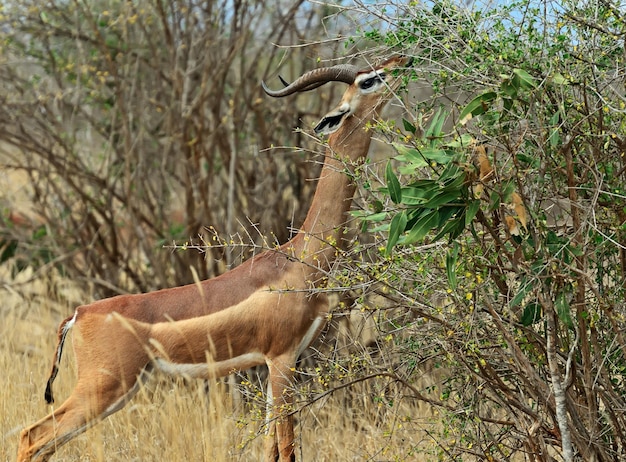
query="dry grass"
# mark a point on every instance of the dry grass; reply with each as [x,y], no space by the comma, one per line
[173,420]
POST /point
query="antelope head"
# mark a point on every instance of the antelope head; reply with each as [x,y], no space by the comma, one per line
[369,90]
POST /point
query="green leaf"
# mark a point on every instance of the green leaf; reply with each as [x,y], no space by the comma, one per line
[531,314]
[443,198]
[438,155]
[558,79]
[374,217]
[507,103]
[523,79]
[398,223]
[421,228]
[455,183]
[477,106]
[447,212]
[417,159]
[525,289]
[377,206]
[453,227]
[472,210]
[414,196]
[410,169]
[411,155]
[554,139]
[451,171]
[425,184]
[508,88]
[382,228]
[507,191]
[457,229]
[451,259]
[461,142]
[563,309]
[575,250]
[393,185]
[39,233]
[532,161]
[7,250]
[408,126]
[419,192]
[494,201]
[436,124]
[556,117]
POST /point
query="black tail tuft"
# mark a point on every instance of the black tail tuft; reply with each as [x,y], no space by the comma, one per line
[48,393]
[64,328]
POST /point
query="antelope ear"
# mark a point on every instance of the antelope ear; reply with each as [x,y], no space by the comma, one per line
[333,120]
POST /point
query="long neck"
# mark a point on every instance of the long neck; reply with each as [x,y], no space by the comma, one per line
[322,230]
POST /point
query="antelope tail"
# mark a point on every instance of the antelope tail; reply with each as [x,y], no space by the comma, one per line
[64,328]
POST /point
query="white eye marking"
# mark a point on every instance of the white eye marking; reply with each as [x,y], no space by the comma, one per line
[373,82]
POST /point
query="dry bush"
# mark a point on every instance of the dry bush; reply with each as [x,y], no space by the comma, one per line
[139,125]
[503,243]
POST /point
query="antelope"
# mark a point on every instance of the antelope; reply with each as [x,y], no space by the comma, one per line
[261,312]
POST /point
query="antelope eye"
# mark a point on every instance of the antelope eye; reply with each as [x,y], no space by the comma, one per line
[369,83]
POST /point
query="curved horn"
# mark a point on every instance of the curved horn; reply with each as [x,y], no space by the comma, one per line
[286,84]
[341,73]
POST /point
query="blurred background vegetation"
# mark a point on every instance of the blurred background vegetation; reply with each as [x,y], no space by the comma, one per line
[481,304]
[141,124]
